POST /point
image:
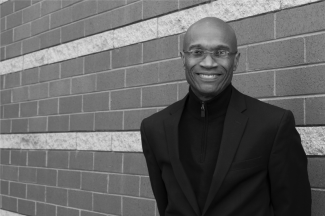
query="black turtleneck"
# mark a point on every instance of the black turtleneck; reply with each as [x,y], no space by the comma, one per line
[200,132]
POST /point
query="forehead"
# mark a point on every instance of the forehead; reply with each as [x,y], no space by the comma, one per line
[210,37]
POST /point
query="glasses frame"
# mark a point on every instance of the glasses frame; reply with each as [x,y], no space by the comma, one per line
[206,52]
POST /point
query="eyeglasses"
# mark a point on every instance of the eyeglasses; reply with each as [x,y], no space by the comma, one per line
[216,54]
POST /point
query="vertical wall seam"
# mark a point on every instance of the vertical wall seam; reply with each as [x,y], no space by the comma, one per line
[274,26]
[305,50]
[304,107]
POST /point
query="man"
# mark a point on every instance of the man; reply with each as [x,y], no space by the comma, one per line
[217,151]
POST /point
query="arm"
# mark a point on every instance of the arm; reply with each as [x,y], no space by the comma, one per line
[157,183]
[290,188]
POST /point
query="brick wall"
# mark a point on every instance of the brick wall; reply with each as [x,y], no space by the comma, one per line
[112,90]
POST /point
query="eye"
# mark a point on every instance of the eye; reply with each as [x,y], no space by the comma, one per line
[221,53]
[197,52]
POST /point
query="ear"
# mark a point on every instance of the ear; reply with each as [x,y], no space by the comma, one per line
[183,57]
[236,61]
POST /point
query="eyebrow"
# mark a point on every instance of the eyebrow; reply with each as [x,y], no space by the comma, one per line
[220,47]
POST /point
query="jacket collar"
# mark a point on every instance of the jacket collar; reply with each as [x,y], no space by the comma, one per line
[235,123]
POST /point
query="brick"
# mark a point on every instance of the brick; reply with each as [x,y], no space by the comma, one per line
[29,76]
[38,124]
[20,94]
[126,15]
[109,5]
[84,213]
[58,159]
[31,13]
[83,9]
[5,156]
[38,91]
[83,84]
[26,207]
[107,204]
[19,4]
[145,188]
[133,206]
[45,209]
[49,72]
[14,20]
[70,104]
[50,38]
[37,158]
[127,56]
[256,84]
[66,3]
[276,54]
[7,37]
[13,50]
[159,95]
[58,123]
[134,163]
[27,174]
[295,105]
[11,111]
[80,199]
[95,102]
[49,6]
[19,157]
[125,99]
[46,177]
[19,125]
[97,62]
[35,192]
[110,80]
[164,48]
[28,109]
[5,97]
[94,182]
[299,81]
[72,31]
[188,3]
[171,70]
[5,126]
[2,53]
[9,203]
[4,187]
[124,185]
[315,48]
[57,196]
[81,160]
[7,8]
[99,23]
[154,8]
[49,106]
[300,20]
[133,118]
[9,173]
[67,212]
[82,122]
[22,32]
[108,121]
[12,80]
[318,198]
[31,45]
[17,190]
[108,162]
[41,25]
[69,179]
[60,87]
[315,111]
[142,75]
[61,17]
[72,67]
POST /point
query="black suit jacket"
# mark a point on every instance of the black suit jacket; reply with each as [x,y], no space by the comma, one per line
[261,168]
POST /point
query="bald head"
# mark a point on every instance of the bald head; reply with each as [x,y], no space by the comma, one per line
[211,27]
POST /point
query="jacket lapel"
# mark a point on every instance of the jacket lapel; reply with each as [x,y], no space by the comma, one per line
[234,126]
[171,128]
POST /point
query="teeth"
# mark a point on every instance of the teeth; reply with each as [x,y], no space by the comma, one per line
[208,76]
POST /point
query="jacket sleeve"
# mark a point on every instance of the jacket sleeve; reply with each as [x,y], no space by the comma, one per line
[290,188]
[157,183]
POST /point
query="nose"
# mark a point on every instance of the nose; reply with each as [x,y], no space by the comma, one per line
[208,62]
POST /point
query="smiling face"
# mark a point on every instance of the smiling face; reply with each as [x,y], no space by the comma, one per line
[206,76]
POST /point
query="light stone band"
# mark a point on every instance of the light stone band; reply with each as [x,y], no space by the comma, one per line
[154,28]
[313,140]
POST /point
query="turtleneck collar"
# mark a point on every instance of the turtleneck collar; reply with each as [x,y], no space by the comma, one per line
[214,107]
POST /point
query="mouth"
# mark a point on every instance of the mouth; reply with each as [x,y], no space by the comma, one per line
[209,76]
